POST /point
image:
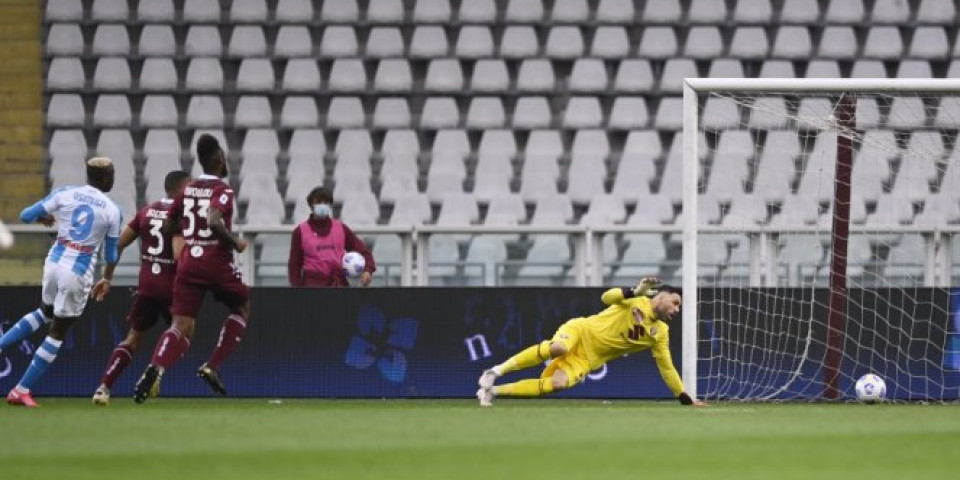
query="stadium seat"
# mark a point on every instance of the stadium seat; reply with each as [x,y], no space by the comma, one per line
[340,41]
[204,111]
[749,43]
[634,76]
[582,112]
[792,42]
[570,11]
[431,11]
[161,141]
[531,113]
[884,43]
[564,42]
[914,69]
[258,164]
[489,251]
[111,40]
[644,252]
[848,12]
[755,12]
[444,183]
[260,142]
[158,111]
[248,11]
[401,148]
[823,69]
[586,176]
[301,11]
[264,207]
[674,71]
[429,42]
[485,112]
[605,209]
[776,168]
[386,11]
[393,75]
[746,212]
[247,41]
[64,11]
[628,113]
[907,113]
[65,40]
[539,176]
[293,41]
[588,75]
[478,11]
[445,75]
[519,41]
[155,171]
[492,176]
[545,261]
[703,42]
[159,11]
[305,170]
[395,187]
[203,41]
[346,11]
[391,113]
[891,211]
[929,43]
[351,184]
[552,210]
[610,42]
[669,114]
[204,75]
[768,113]
[657,11]
[838,42]
[726,68]
[658,43]
[201,12]
[440,112]
[443,256]
[345,112]
[301,75]
[411,209]
[449,143]
[890,12]
[253,112]
[707,12]
[868,69]
[524,11]
[360,208]
[66,73]
[347,75]
[777,69]
[535,75]
[720,113]
[384,42]
[948,112]
[936,12]
[157,41]
[474,41]
[112,111]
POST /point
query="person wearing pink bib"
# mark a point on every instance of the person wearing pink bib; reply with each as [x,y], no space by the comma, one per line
[318,244]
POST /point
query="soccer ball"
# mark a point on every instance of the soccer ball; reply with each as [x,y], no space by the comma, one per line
[353,264]
[871,388]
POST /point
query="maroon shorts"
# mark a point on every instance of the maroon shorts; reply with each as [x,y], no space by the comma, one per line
[146,311]
[192,284]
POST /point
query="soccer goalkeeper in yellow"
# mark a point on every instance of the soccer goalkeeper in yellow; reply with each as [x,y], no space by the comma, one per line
[634,320]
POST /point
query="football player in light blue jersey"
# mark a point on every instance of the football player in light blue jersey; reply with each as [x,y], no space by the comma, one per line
[86,219]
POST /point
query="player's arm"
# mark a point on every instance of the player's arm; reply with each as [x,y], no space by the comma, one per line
[113,249]
[39,211]
[661,354]
[614,296]
[177,245]
[219,228]
[295,260]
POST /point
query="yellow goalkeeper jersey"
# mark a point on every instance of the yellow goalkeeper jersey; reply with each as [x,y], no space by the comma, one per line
[626,326]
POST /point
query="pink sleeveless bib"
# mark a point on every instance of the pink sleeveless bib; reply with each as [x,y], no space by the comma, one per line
[322,256]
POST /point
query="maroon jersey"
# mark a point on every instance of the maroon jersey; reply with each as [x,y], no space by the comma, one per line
[201,247]
[157,268]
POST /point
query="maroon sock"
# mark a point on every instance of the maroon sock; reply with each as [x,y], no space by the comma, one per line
[230,335]
[119,360]
[170,348]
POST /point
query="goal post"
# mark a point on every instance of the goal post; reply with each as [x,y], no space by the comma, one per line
[819,173]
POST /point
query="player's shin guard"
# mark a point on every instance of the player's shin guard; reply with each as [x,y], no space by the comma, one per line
[42,358]
[534,387]
[170,348]
[119,360]
[230,336]
[529,357]
[25,327]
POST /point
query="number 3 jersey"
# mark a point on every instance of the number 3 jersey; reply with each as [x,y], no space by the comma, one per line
[157,268]
[201,246]
[85,216]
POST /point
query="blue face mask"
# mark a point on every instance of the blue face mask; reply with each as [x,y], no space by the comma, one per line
[323,210]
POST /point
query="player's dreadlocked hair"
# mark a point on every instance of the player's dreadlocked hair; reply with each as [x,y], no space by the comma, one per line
[173,180]
[207,149]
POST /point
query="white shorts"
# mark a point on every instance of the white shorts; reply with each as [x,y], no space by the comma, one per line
[65,290]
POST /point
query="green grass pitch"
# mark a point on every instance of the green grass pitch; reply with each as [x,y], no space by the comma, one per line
[234,439]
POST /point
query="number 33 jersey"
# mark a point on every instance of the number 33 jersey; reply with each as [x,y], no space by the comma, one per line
[201,247]
[157,269]
[84,216]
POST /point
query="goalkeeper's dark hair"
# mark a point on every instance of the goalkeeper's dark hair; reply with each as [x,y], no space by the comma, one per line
[670,289]
[207,149]
[173,181]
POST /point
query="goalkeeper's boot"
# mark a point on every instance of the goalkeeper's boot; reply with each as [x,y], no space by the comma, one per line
[149,381]
[21,397]
[101,396]
[485,395]
[487,378]
[211,378]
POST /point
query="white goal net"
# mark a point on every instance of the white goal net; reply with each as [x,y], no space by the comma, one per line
[824,238]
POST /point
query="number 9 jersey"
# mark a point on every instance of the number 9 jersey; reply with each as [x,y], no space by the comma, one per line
[84,216]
